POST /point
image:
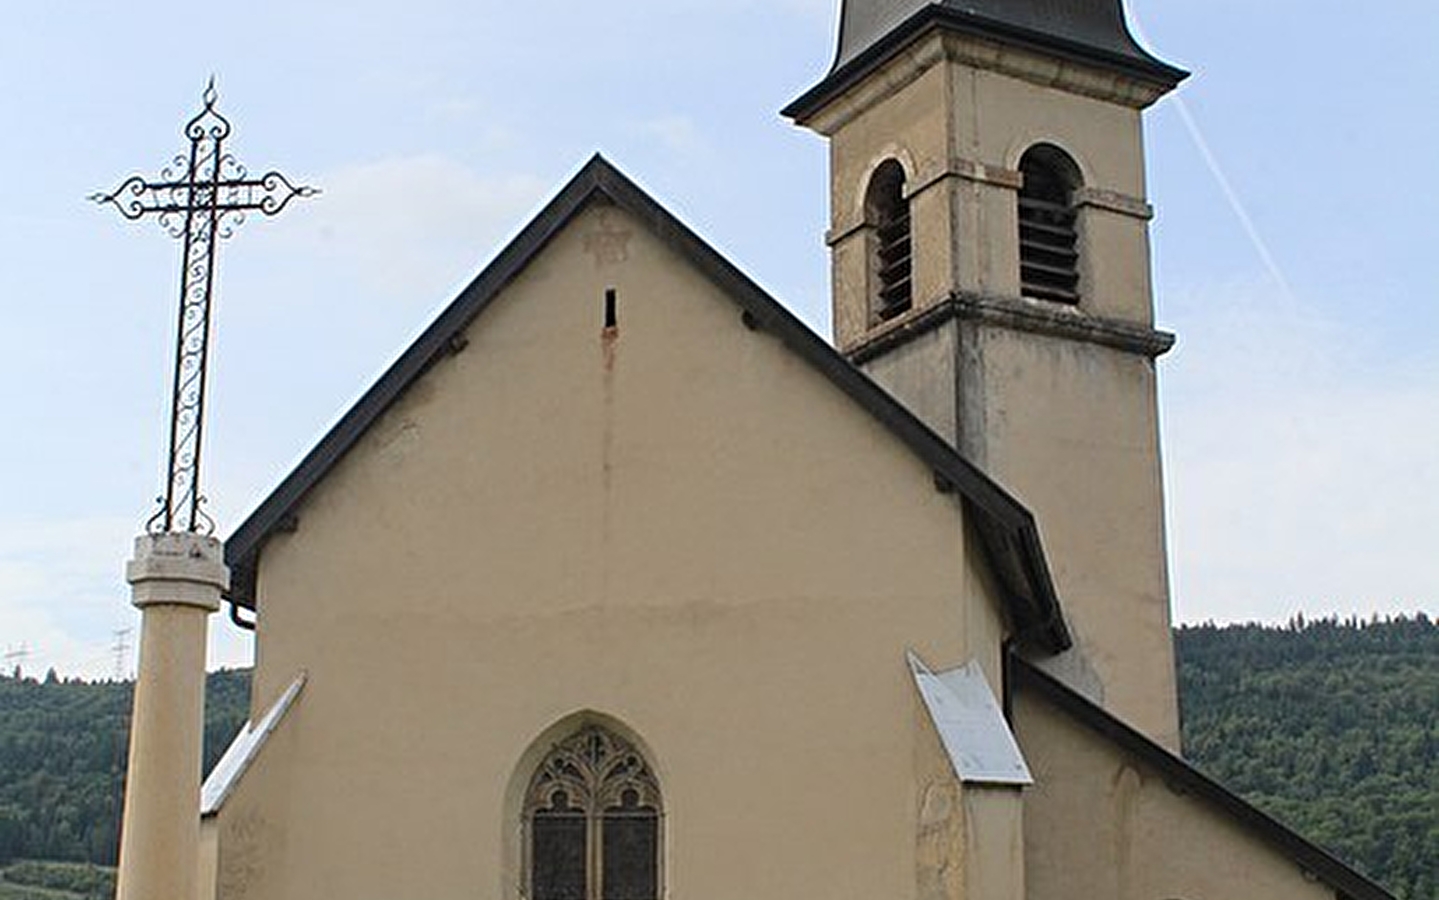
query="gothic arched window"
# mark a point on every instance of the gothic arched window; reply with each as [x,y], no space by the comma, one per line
[1048,226]
[592,821]
[887,210]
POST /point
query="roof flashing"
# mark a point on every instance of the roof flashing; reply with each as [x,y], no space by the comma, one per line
[243,750]
[970,723]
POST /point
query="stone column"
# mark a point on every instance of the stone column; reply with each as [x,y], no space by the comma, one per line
[176,582]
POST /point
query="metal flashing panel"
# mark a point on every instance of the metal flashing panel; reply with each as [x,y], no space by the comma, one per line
[971,725]
[243,750]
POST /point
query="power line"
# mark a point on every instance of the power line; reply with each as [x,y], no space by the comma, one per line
[17,657]
[121,649]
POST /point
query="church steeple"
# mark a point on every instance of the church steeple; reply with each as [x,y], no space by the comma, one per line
[1015,317]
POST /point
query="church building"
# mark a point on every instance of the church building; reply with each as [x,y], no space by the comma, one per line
[622,584]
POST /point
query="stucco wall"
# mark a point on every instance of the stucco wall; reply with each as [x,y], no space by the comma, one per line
[1072,429]
[1102,823]
[676,524]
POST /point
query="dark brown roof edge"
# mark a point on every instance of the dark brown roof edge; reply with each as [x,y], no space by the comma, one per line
[1006,526]
[843,77]
[1183,777]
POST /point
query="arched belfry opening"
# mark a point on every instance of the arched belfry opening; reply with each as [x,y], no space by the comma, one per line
[892,258]
[1049,225]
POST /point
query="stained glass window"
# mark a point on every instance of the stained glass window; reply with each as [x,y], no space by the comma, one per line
[592,822]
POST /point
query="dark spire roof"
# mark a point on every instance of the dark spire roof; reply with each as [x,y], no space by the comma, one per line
[1095,24]
[1093,31]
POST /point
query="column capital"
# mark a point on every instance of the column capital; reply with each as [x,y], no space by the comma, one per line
[178,569]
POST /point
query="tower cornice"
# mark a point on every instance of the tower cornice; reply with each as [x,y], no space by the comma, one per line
[942,32]
[1015,314]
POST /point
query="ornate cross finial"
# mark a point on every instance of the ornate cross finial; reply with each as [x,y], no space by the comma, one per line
[200,198]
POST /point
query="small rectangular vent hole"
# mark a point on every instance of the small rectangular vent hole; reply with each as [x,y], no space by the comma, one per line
[611,311]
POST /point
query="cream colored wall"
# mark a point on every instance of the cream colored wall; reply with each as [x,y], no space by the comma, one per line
[1099,823]
[679,525]
[209,859]
[255,829]
[1072,429]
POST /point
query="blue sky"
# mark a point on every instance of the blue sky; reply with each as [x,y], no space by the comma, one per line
[1301,408]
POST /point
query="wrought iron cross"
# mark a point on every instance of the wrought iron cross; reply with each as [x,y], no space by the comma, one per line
[200,198]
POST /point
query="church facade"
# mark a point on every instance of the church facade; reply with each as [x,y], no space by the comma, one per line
[621,584]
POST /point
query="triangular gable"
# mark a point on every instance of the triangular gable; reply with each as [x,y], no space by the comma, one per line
[1186,779]
[1006,528]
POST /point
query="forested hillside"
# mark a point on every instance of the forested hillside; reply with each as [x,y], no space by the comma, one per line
[62,755]
[1331,727]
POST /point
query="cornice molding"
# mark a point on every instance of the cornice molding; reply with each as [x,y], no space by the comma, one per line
[844,96]
[1113,201]
[1015,314]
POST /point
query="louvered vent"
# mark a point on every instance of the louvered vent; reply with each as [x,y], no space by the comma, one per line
[1048,233]
[893,261]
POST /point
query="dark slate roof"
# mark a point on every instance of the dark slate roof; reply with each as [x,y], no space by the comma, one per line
[1183,778]
[1006,529]
[1093,24]
[1093,31]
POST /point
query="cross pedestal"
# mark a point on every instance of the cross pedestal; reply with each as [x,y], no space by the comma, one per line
[176,580]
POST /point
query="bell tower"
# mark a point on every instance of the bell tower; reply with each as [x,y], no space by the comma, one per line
[990,256]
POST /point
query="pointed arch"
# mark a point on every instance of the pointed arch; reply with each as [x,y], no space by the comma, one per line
[591,817]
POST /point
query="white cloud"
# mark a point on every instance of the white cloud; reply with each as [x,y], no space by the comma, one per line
[455,108]
[1302,468]
[63,593]
[64,603]
[410,226]
[678,135]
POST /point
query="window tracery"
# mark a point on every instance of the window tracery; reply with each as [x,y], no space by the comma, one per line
[592,820]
